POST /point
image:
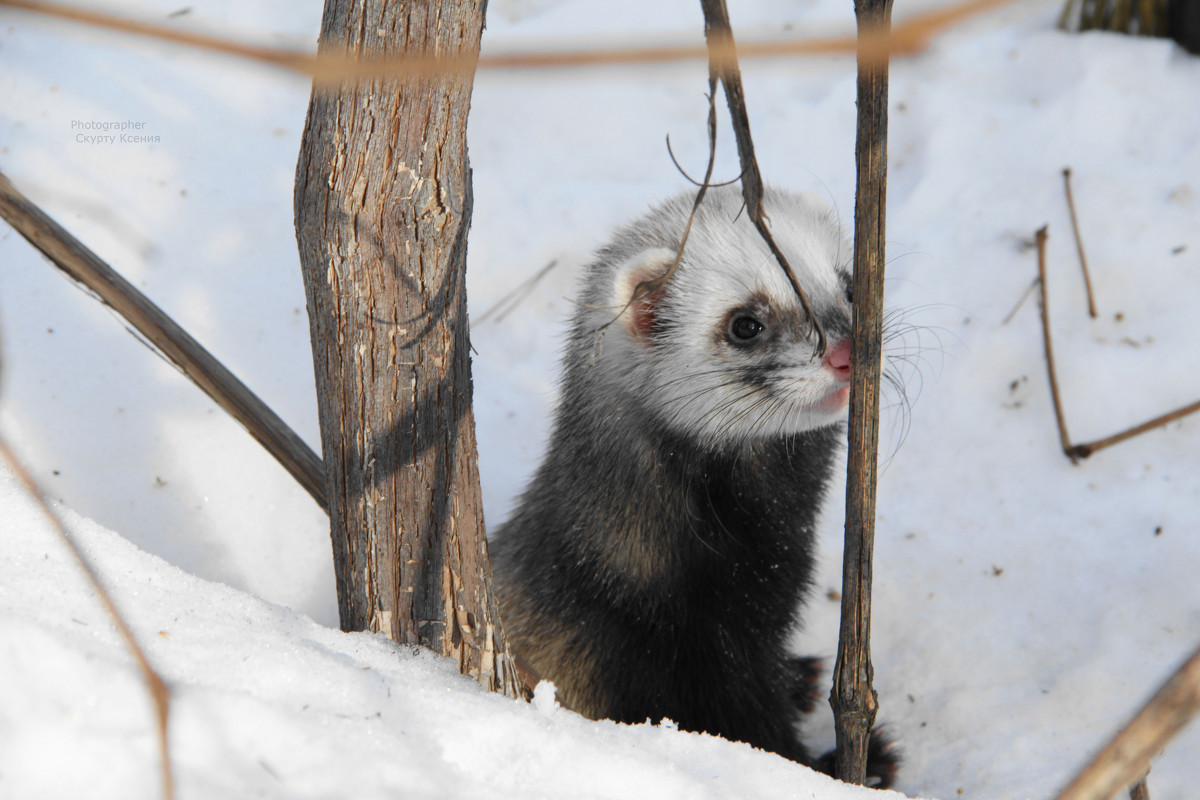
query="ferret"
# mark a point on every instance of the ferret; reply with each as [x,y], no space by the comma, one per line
[655,565]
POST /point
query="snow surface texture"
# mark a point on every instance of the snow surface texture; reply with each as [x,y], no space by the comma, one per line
[268,703]
[1024,607]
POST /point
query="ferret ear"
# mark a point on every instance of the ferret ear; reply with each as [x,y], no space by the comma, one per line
[640,317]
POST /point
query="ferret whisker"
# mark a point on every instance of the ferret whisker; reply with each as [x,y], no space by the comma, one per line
[719,411]
[714,411]
[701,393]
[901,414]
[690,377]
[752,408]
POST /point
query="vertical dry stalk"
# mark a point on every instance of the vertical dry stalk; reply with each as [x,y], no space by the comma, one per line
[853,699]
[1064,438]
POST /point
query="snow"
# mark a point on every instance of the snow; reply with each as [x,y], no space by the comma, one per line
[268,703]
[1024,607]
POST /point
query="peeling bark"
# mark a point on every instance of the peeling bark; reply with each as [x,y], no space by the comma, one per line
[383,205]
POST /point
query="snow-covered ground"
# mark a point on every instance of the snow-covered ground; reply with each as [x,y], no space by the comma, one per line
[1024,607]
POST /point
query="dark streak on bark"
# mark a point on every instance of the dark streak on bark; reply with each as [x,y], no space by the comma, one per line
[383,206]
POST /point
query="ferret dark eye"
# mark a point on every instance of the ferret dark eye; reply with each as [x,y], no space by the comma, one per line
[745,328]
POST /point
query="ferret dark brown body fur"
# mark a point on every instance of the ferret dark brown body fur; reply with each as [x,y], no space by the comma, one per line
[656,564]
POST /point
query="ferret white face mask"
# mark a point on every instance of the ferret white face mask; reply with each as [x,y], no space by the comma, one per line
[723,351]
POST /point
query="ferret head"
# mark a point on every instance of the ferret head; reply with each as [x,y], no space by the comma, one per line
[722,352]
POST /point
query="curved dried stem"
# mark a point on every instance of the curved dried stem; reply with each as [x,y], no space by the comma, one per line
[651,286]
[911,37]
[689,178]
[159,692]
[723,63]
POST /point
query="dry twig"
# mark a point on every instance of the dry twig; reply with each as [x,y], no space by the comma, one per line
[1076,452]
[719,35]
[509,302]
[1033,284]
[649,287]
[82,265]
[909,38]
[1127,757]
[159,692]
[1087,279]
[1086,449]
[1064,439]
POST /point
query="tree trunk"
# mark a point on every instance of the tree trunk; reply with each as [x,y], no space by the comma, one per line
[383,205]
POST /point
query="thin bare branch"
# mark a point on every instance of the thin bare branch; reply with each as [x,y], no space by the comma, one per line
[1076,452]
[82,265]
[679,168]
[159,692]
[651,286]
[723,63]
[1064,438]
[512,299]
[1086,449]
[1033,284]
[1087,278]
[1127,757]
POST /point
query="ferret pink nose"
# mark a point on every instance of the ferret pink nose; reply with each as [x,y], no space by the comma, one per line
[838,359]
